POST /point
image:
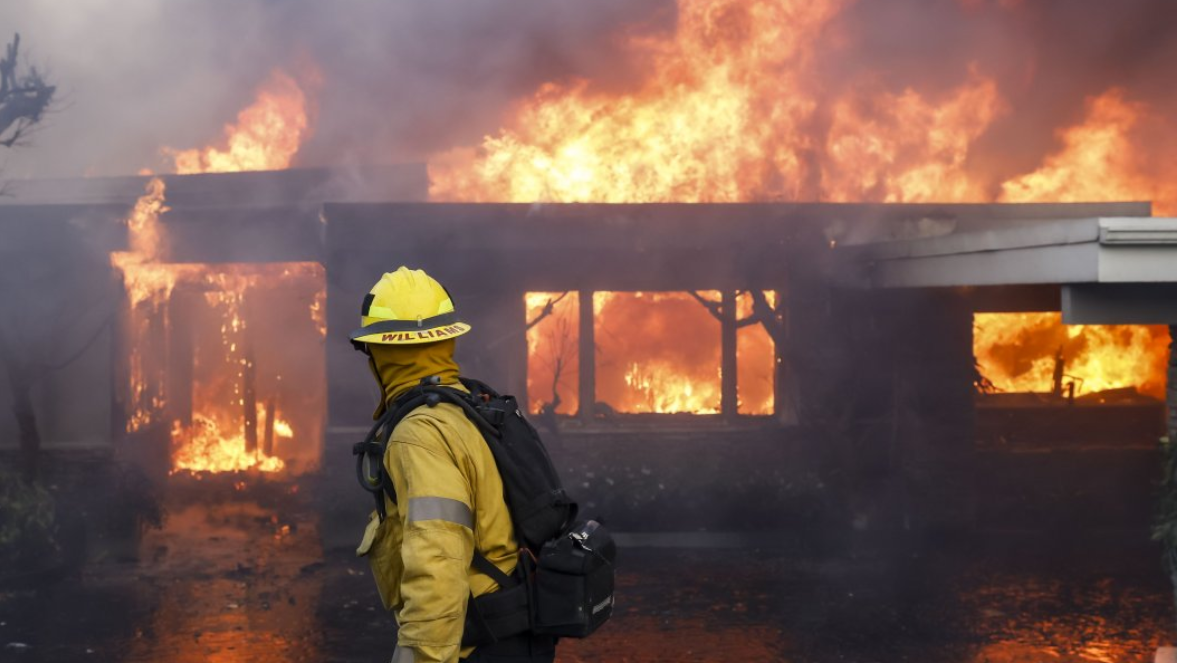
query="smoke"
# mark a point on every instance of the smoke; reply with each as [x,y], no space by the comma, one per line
[403,81]
[1047,56]
[398,80]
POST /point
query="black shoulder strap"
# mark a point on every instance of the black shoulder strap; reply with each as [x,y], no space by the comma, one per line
[469,405]
[487,567]
[374,445]
[478,388]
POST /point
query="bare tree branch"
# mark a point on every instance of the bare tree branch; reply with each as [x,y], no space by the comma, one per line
[716,309]
[77,354]
[24,97]
[548,309]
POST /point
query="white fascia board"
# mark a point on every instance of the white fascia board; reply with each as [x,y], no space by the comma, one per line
[1096,250]
[1138,264]
[1138,231]
[1138,250]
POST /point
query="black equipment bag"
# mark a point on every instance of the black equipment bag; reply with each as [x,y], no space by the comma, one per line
[574,582]
[565,586]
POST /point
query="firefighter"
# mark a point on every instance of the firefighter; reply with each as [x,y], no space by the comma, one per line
[448,488]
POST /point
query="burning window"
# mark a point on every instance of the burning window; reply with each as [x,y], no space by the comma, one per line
[652,352]
[1036,352]
[657,352]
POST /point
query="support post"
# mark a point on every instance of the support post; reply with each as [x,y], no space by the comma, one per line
[1171,387]
[249,379]
[181,356]
[1171,431]
[729,366]
[785,392]
[586,356]
[268,427]
[249,400]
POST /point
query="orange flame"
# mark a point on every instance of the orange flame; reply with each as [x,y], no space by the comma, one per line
[1021,352]
[728,115]
[903,148]
[205,448]
[553,354]
[636,370]
[215,441]
[708,125]
[266,136]
[1100,160]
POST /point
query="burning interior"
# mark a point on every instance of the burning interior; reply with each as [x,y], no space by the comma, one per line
[652,352]
[201,358]
[1037,353]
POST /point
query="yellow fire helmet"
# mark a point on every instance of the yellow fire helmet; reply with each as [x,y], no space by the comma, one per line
[407,307]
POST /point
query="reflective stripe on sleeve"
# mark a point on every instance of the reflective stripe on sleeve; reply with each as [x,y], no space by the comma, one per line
[440,508]
[402,655]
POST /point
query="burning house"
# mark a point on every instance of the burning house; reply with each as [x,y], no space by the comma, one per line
[668,350]
[759,276]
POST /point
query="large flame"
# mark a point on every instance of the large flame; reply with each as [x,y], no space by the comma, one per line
[1036,352]
[1101,159]
[266,136]
[224,358]
[734,110]
[217,431]
[730,113]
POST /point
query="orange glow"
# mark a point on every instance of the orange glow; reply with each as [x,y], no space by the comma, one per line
[1101,159]
[636,370]
[282,428]
[903,148]
[215,300]
[755,359]
[266,136]
[205,448]
[319,312]
[1019,352]
[657,352]
[728,114]
[553,355]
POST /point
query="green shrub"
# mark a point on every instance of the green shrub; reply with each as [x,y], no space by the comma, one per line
[27,522]
[1165,528]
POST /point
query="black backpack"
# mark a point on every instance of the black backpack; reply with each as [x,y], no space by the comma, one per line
[563,585]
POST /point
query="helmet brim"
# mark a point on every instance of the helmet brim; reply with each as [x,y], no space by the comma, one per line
[410,337]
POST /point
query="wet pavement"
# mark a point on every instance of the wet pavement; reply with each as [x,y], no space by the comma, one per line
[231,581]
